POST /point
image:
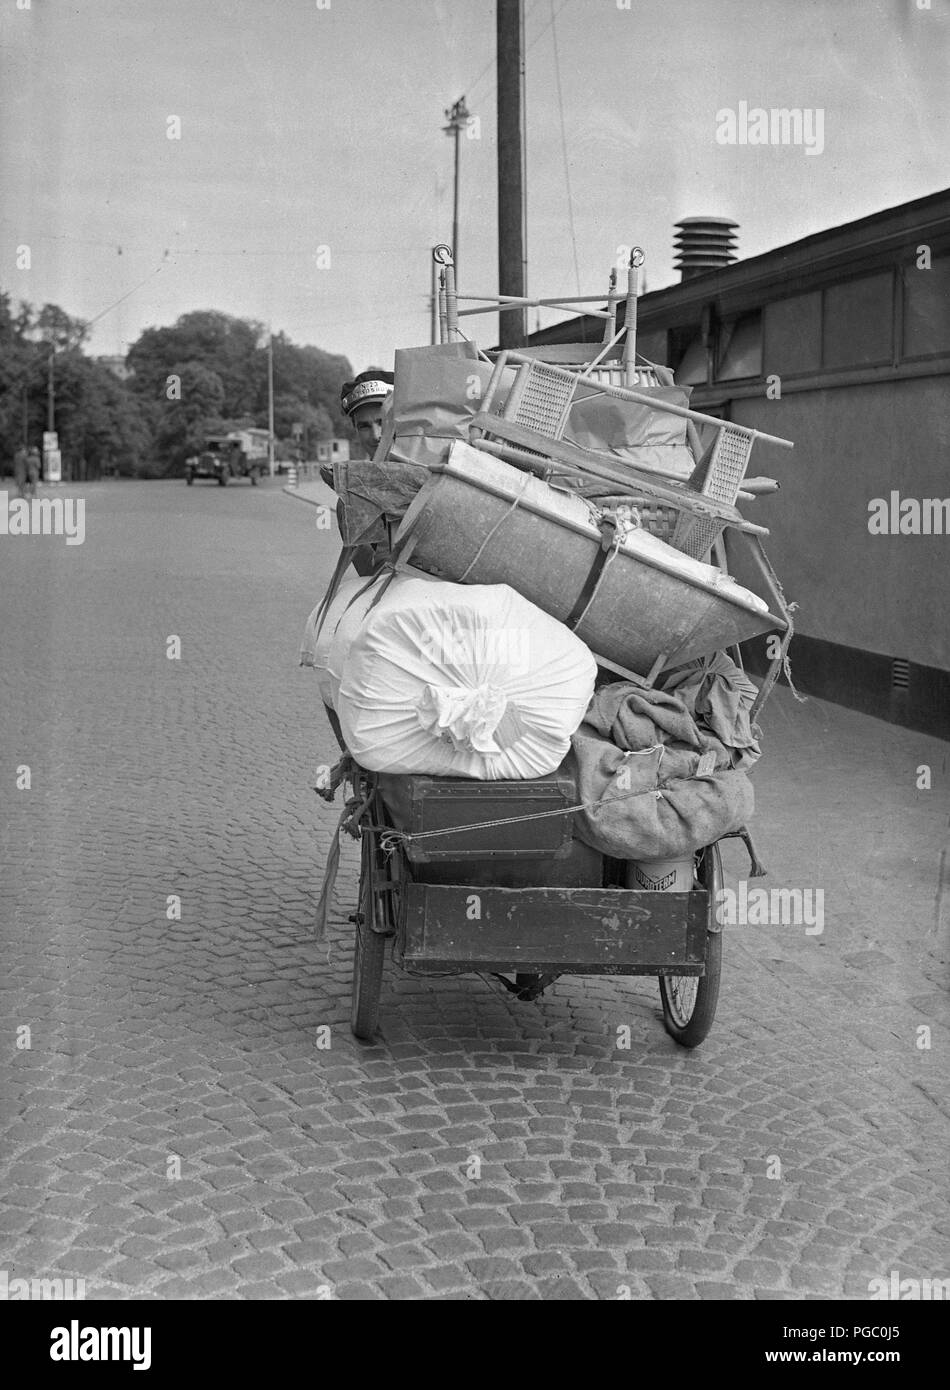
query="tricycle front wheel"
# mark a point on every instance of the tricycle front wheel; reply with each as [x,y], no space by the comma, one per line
[689,1001]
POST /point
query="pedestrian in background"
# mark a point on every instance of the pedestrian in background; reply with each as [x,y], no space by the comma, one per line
[20,469]
[33,468]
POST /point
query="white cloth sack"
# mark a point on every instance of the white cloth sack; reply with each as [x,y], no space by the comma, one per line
[326,651]
[460,680]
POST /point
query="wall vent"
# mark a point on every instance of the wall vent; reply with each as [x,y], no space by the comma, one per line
[900,673]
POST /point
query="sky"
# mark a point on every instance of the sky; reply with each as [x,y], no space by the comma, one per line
[312,175]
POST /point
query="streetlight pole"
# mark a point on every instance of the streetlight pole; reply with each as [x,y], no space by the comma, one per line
[458,117]
[50,393]
[270,403]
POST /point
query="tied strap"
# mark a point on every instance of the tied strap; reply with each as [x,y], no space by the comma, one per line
[350,817]
[756,868]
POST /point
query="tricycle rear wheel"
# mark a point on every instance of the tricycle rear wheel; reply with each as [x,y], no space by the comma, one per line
[689,1001]
[376,923]
[369,949]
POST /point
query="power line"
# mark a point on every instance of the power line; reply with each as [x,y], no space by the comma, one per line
[21,378]
[567,170]
[490,66]
[115,305]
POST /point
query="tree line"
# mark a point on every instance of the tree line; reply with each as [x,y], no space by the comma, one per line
[205,374]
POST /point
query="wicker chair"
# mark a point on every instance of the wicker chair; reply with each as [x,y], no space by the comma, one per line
[538,405]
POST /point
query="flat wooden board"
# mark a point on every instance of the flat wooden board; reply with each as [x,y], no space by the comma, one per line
[568,929]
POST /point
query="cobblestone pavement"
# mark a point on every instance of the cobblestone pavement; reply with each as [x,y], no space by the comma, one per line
[158,1043]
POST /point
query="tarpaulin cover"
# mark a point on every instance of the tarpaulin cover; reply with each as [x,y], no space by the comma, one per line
[462,680]
[436,393]
[372,493]
[669,764]
[639,434]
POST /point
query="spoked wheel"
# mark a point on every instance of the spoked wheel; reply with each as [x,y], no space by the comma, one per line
[376,910]
[689,1001]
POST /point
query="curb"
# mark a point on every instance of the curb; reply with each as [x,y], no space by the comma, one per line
[295,492]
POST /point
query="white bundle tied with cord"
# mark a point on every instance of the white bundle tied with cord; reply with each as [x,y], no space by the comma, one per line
[461,680]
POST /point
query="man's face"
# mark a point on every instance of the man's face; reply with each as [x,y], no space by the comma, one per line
[368,420]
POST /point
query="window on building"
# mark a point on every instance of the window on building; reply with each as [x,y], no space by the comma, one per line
[740,347]
[653,346]
[692,367]
[926,309]
[793,334]
[856,322]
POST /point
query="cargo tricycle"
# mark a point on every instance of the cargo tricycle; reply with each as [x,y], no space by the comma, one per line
[465,875]
[488,878]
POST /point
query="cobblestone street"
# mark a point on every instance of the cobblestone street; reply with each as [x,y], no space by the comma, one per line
[175,1128]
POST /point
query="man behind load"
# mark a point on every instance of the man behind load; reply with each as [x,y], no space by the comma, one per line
[362,401]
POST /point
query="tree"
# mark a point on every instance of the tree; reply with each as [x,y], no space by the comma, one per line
[90,403]
[291,410]
[224,345]
[307,381]
[55,326]
[101,427]
[193,400]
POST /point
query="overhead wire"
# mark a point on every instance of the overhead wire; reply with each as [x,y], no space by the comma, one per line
[567,169]
[491,65]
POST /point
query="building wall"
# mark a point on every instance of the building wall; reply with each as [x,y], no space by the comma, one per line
[886,594]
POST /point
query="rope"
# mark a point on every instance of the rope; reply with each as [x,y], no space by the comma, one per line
[501,520]
[390,837]
[782,662]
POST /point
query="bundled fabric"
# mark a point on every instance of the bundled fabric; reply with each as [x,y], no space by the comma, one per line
[456,680]
[668,764]
[702,706]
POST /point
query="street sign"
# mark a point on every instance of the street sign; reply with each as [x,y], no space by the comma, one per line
[50,440]
[53,466]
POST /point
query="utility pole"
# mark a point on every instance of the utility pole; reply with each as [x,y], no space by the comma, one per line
[50,392]
[512,240]
[458,117]
[270,403]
